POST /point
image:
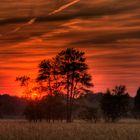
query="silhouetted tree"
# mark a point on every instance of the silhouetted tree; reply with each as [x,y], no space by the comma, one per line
[73,69]
[53,107]
[11,106]
[34,111]
[67,72]
[137,105]
[25,83]
[49,77]
[107,106]
[90,114]
[116,104]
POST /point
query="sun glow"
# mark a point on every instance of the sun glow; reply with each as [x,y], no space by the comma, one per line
[35,96]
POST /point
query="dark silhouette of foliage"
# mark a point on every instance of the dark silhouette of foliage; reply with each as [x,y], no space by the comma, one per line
[88,106]
[49,77]
[33,111]
[136,111]
[24,80]
[11,106]
[53,107]
[115,104]
[89,114]
[27,84]
[50,108]
[73,69]
[63,84]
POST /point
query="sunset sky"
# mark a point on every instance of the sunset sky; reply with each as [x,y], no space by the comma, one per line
[107,30]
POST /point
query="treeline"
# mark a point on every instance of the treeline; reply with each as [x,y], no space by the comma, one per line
[65,74]
[62,91]
[110,107]
[12,106]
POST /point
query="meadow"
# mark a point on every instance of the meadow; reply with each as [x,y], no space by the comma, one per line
[23,130]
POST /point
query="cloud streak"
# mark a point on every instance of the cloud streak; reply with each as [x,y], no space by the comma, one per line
[33,20]
[63,7]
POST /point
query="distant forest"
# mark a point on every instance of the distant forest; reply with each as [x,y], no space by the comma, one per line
[62,91]
[88,107]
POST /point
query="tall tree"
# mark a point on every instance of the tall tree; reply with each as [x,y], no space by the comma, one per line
[73,68]
[49,77]
[50,80]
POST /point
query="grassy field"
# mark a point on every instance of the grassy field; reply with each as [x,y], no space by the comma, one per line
[22,130]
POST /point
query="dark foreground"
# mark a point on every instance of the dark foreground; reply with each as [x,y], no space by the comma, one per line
[22,130]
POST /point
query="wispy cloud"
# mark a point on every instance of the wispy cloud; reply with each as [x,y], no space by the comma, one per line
[33,20]
[107,30]
[64,7]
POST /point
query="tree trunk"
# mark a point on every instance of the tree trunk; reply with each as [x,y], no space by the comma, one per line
[71,96]
[67,106]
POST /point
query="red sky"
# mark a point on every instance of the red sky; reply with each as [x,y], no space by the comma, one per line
[107,30]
